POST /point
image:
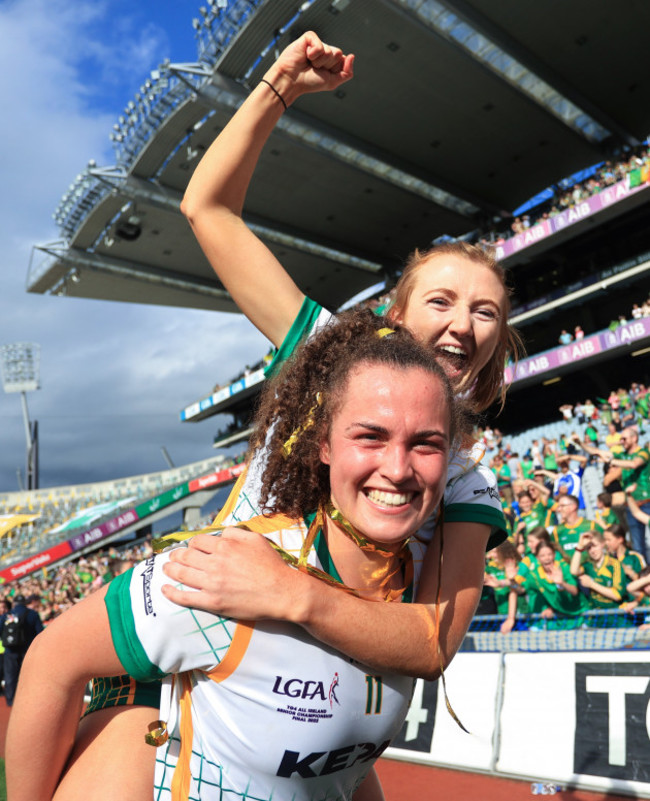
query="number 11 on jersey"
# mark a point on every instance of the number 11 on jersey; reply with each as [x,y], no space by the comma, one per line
[373,699]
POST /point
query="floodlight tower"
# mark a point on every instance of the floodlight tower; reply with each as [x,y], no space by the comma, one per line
[20,373]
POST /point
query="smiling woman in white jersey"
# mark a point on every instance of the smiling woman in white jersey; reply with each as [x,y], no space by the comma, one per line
[264,710]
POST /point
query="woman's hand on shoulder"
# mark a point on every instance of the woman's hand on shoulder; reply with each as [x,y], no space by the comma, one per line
[237,574]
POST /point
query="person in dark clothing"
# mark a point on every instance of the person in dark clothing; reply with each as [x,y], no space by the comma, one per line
[31,625]
[5,607]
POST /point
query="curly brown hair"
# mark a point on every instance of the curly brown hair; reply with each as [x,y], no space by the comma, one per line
[489,385]
[508,550]
[298,483]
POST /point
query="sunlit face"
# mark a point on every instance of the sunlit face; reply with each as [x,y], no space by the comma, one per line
[456,306]
[595,549]
[628,440]
[546,557]
[611,542]
[525,503]
[566,509]
[387,450]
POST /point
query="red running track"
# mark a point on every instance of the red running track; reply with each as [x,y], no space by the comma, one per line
[404,781]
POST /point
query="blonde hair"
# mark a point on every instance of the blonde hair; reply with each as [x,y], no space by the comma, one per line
[489,383]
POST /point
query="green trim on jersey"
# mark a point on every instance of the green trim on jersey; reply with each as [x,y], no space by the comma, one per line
[303,324]
[478,513]
[604,521]
[566,536]
[301,328]
[609,574]
[639,475]
[322,549]
[325,557]
[125,639]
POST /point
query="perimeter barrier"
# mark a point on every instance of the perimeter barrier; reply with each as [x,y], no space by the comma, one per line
[554,707]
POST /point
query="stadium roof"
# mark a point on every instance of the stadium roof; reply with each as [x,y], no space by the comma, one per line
[459,112]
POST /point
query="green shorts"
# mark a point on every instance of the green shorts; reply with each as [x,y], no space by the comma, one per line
[123,691]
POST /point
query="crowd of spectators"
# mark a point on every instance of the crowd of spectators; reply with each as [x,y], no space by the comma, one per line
[635,162]
[559,561]
[621,408]
[39,598]
[637,312]
[55,589]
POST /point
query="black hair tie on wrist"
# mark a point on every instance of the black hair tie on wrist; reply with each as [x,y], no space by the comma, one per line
[273,89]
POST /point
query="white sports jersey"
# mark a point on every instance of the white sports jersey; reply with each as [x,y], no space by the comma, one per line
[259,711]
[471,493]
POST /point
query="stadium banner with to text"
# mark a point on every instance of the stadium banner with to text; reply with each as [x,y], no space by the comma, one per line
[580,718]
[572,718]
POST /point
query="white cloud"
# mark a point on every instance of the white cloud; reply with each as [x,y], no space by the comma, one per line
[114,376]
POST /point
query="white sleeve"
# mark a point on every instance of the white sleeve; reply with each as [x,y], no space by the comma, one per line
[152,635]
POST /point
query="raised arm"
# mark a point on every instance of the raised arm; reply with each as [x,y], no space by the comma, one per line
[633,506]
[576,556]
[240,575]
[585,446]
[214,198]
[638,584]
[511,618]
[543,489]
[549,473]
[59,663]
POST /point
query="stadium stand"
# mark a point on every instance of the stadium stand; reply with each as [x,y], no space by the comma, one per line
[58,514]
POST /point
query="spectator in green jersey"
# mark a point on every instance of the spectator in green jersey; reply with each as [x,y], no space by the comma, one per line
[598,572]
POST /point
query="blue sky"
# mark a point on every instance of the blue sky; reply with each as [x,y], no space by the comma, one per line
[113,376]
